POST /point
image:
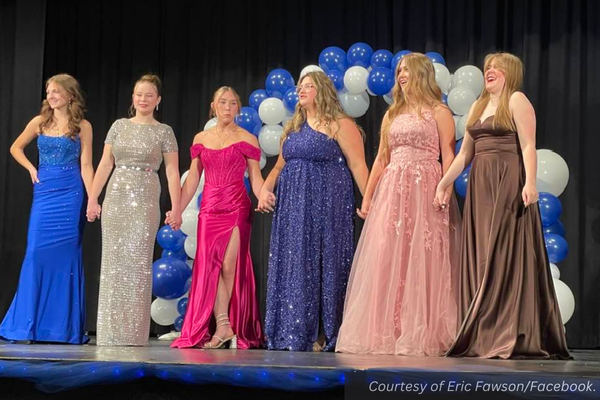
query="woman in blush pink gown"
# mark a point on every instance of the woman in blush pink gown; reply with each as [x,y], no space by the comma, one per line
[400,298]
[222,309]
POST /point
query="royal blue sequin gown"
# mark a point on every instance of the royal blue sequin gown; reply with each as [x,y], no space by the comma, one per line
[49,303]
[312,243]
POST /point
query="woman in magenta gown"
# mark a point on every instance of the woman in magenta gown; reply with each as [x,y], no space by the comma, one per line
[222,309]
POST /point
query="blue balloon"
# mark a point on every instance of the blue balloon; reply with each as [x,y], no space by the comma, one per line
[380,81]
[182,305]
[169,239]
[199,200]
[178,323]
[557,228]
[462,182]
[290,99]
[550,208]
[359,54]
[557,248]
[445,99]
[249,120]
[435,57]
[278,82]
[337,78]
[169,276]
[458,146]
[178,254]
[382,58]
[248,185]
[397,58]
[333,58]
[257,97]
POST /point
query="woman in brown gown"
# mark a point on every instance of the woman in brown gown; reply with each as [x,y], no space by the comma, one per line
[507,307]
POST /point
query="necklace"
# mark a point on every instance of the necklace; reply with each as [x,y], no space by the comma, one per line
[226,136]
[58,129]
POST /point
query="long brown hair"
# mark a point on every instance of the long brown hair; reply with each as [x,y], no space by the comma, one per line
[421,91]
[513,70]
[75,109]
[151,79]
[328,107]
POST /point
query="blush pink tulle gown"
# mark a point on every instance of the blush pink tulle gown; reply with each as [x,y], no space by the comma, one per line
[225,206]
[400,297]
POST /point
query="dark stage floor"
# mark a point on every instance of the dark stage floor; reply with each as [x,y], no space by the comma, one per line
[64,368]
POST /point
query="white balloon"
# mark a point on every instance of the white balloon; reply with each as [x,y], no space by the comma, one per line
[190,263]
[190,244]
[566,300]
[189,224]
[211,123]
[469,76]
[163,311]
[355,105]
[355,79]
[193,204]
[552,172]
[388,98]
[461,127]
[371,93]
[183,177]
[442,76]
[309,68]
[460,100]
[269,139]
[263,159]
[555,271]
[271,111]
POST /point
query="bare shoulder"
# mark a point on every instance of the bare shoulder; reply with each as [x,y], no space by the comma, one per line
[85,124]
[441,111]
[248,137]
[518,99]
[200,137]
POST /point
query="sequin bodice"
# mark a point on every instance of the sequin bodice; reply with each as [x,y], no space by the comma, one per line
[311,145]
[58,150]
[414,137]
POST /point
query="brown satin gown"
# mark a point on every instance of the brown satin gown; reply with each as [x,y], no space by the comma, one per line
[507,307]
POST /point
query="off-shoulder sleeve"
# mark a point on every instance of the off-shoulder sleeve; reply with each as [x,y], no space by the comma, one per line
[196,150]
[114,130]
[169,143]
[249,151]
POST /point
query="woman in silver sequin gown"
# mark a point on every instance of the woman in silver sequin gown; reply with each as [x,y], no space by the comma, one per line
[131,216]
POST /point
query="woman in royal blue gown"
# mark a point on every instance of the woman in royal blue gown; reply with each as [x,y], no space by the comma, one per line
[49,304]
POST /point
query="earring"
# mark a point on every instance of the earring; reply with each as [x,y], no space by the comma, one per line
[157,107]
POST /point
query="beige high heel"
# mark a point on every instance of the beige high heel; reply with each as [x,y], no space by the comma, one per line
[222,319]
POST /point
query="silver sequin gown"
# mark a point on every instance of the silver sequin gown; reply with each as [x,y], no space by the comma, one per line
[130,221]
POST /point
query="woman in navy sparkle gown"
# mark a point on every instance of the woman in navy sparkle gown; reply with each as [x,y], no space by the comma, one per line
[312,238]
[49,304]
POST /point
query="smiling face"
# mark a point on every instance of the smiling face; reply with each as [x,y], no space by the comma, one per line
[307,91]
[145,98]
[403,75]
[56,96]
[495,78]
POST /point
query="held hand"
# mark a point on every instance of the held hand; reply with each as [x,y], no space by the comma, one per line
[93,211]
[363,211]
[34,175]
[174,220]
[266,201]
[530,194]
[442,197]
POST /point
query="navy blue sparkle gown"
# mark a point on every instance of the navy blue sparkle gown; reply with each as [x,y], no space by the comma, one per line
[49,303]
[312,243]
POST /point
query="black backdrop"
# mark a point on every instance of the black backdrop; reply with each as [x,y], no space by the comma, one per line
[198,47]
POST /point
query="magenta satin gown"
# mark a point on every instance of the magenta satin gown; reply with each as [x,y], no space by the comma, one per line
[225,206]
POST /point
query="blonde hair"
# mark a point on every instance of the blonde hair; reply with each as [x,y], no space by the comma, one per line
[421,91]
[328,107]
[75,109]
[148,78]
[513,70]
[217,96]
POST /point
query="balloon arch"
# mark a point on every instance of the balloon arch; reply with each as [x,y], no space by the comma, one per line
[358,74]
